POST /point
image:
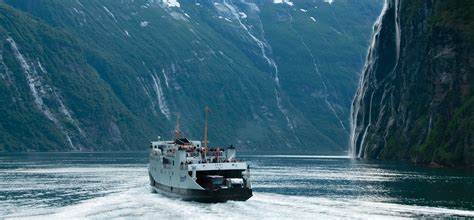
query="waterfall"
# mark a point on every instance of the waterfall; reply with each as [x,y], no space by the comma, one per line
[44,95]
[160,97]
[316,70]
[357,102]
[397,28]
[263,44]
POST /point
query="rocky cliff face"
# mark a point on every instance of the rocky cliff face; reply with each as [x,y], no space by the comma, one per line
[276,74]
[415,97]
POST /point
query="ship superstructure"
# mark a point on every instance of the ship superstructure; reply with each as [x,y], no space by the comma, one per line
[190,170]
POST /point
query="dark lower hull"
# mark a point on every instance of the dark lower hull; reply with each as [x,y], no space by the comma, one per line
[208,196]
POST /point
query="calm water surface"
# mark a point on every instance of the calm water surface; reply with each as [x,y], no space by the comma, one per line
[109,185]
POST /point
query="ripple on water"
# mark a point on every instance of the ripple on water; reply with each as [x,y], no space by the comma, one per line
[284,187]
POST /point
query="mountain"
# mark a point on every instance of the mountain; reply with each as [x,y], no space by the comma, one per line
[276,74]
[51,98]
[415,98]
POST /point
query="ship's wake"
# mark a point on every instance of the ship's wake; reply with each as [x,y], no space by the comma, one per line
[285,187]
[142,203]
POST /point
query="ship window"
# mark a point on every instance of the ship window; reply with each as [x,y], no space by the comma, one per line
[166,161]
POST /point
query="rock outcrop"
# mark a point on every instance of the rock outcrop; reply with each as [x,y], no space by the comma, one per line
[415,97]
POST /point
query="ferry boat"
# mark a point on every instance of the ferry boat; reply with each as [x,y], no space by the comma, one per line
[189,170]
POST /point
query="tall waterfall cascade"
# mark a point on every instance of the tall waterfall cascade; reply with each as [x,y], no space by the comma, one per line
[362,116]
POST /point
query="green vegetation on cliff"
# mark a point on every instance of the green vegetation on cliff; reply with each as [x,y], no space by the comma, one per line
[416,102]
[275,76]
[51,63]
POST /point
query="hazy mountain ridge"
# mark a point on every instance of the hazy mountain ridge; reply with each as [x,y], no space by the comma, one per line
[242,59]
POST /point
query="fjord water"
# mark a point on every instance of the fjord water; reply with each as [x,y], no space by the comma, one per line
[107,185]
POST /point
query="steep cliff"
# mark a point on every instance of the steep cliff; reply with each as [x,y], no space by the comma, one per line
[276,75]
[415,98]
[51,98]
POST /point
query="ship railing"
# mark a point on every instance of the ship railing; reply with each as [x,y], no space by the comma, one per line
[210,160]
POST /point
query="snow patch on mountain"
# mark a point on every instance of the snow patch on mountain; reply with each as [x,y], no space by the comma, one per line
[165,3]
[242,15]
[144,23]
[171,3]
[288,2]
[328,1]
[178,16]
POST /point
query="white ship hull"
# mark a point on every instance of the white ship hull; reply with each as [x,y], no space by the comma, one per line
[180,174]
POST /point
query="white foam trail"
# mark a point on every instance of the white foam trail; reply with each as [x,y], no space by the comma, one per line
[120,191]
[140,203]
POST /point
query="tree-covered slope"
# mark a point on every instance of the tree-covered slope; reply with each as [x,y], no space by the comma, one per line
[415,100]
[276,76]
[51,99]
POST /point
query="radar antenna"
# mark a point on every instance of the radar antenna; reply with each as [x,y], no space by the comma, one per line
[206,110]
[177,131]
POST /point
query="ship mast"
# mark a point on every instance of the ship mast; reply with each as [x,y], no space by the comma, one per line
[206,110]
[177,131]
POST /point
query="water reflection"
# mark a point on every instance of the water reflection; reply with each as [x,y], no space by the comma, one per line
[116,185]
